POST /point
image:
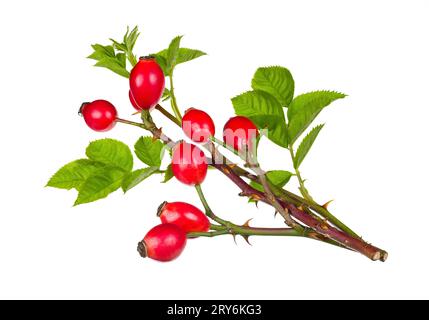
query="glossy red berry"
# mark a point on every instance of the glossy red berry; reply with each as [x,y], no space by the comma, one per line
[239,132]
[184,215]
[165,242]
[99,115]
[189,164]
[133,101]
[147,83]
[198,125]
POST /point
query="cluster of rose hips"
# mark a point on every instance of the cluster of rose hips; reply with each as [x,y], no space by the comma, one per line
[189,164]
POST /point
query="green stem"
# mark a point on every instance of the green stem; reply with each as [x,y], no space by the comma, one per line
[132,58]
[192,235]
[209,211]
[132,123]
[302,188]
[173,99]
[299,201]
[168,115]
[226,146]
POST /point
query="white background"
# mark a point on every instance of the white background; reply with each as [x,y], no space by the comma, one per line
[371,157]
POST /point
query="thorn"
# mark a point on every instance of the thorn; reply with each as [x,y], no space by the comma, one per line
[232,165]
[234,235]
[327,204]
[137,112]
[246,238]
[275,213]
[301,208]
[246,224]
[256,204]
[241,194]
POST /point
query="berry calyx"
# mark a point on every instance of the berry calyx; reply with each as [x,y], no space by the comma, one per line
[198,125]
[164,242]
[184,215]
[99,115]
[147,83]
[239,133]
[189,164]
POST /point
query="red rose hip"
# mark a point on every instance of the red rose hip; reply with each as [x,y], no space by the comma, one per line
[165,242]
[133,101]
[239,132]
[99,115]
[189,164]
[147,83]
[184,215]
[198,125]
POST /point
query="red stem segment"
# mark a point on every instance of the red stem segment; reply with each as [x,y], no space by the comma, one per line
[320,227]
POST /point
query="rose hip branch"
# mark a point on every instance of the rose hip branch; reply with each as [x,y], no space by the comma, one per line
[270,109]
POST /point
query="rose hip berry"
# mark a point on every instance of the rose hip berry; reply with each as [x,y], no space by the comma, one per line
[164,242]
[99,115]
[184,215]
[189,164]
[133,101]
[198,125]
[147,83]
[239,132]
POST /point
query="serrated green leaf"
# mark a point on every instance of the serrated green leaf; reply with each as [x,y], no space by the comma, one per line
[149,151]
[111,152]
[265,111]
[305,145]
[100,185]
[173,52]
[184,55]
[162,62]
[101,52]
[166,94]
[73,174]
[119,46]
[278,178]
[113,64]
[305,108]
[137,176]
[130,38]
[168,175]
[277,81]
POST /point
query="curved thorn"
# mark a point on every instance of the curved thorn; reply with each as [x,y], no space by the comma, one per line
[327,204]
[246,224]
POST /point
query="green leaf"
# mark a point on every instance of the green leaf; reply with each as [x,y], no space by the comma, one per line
[73,174]
[162,62]
[100,185]
[101,52]
[173,52]
[305,145]
[130,38]
[115,65]
[149,151]
[128,43]
[184,55]
[278,178]
[305,108]
[106,58]
[276,81]
[265,111]
[166,94]
[168,175]
[111,152]
[137,176]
